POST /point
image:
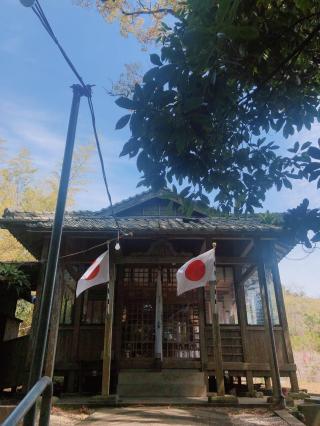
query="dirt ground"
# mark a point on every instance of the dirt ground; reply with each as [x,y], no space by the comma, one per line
[167,416]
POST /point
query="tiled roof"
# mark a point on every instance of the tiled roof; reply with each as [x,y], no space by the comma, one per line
[91,221]
[143,197]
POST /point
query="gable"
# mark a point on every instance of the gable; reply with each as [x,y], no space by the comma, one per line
[161,203]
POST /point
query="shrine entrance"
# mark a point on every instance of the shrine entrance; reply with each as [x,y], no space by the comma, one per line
[179,335]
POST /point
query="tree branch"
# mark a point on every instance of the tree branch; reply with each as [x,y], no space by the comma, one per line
[149,12]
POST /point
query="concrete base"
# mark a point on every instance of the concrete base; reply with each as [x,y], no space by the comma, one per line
[164,383]
[223,400]
[311,413]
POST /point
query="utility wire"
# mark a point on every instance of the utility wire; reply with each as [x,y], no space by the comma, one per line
[37,9]
[105,243]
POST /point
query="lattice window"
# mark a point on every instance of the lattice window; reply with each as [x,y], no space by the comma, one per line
[138,312]
[226,300]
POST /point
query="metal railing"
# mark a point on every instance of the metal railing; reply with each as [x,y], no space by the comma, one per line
[43,387]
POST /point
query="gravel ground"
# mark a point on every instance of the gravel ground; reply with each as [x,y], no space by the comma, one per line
[167,416]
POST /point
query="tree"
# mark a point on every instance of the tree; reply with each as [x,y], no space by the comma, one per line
[142,18]
[230,74]
[19,192]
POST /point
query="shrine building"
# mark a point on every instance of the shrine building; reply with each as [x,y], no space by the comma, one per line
[105,338]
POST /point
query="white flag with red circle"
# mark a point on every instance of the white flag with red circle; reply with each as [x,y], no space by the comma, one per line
[98,273]
[196,272]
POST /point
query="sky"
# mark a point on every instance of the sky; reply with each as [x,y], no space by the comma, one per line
[35,104]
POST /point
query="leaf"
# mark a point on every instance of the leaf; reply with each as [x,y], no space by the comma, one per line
[155,59]
[314,175]
[129,147]
[314,152]
[151,75]
[142,160]
[305,145]
[244,32]
[123,121]
[192,103]
[303,5]
[185,192]
[287,183]
[126,103]
[205,199]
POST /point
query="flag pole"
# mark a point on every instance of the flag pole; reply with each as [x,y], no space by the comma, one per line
[217,350]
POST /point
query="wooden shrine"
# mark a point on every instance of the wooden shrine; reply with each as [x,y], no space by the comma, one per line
[105,339]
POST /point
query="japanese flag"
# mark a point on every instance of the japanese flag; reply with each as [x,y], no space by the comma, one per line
[196,272]
[98,273]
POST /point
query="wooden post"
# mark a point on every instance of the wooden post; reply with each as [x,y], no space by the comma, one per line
[267,381]
[107,345]
[282,315]
[72,384]
[158,322]
[54,326]
[216,338]
[268,325]
[202,331]
[242,315]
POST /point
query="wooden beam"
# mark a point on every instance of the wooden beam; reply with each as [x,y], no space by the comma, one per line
[274,367]
[107,344]
[247,249]
[282,314]
[127,260]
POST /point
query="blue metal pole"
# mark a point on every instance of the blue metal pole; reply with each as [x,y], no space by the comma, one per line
[40,342]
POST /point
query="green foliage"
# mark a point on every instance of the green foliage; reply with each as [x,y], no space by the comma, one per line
[271,218]
[304,321]
[301,220]
[229,73]
[14,279]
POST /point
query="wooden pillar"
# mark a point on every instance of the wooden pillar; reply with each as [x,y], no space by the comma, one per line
[54,326]
[242,315]
[267,382]
[202,326]
[107,344]
[268,325]
[158,322]
[282,315]
[216,340]
[72,385]
[202,331]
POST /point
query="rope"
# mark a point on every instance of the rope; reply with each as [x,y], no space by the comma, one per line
[37,9]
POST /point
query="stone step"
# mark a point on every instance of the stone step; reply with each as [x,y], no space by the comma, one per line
[163,383]
[156,390]
[165,376]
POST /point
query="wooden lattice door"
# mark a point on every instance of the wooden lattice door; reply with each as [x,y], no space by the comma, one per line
[180,337]
[138,315]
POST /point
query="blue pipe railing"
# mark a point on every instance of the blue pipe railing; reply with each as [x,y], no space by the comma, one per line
[43,387]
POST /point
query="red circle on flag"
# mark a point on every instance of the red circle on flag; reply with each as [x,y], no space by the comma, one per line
[93,273]
[195,270]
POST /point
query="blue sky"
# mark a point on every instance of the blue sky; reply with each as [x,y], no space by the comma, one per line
[35,103]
